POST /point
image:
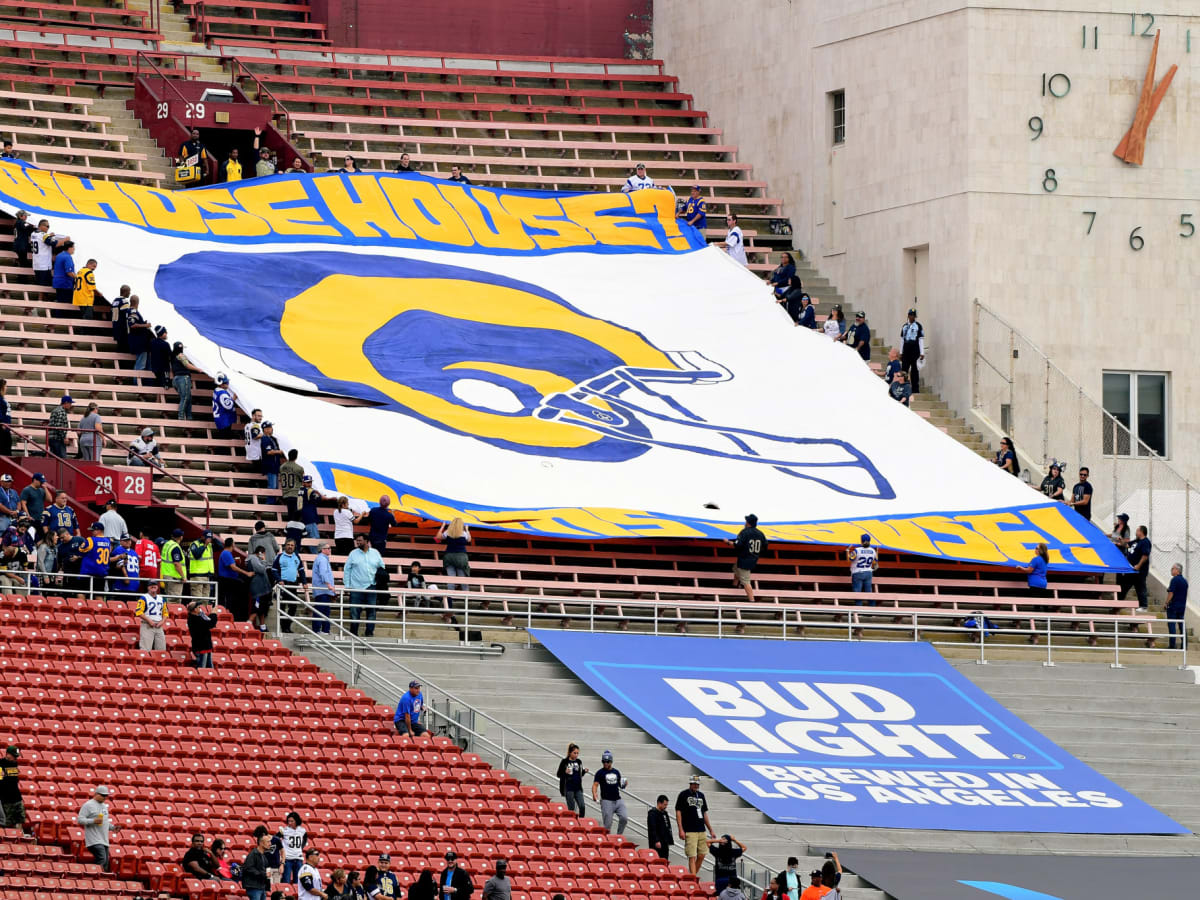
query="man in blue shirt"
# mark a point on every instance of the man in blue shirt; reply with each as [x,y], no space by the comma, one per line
[272,455]
[323,588]
[291,575]
[380,520]
[10,502]
[606,789]
[358,575]
[128,566]
[694,211]
[859,335]
[1139,559]
[96,551]
[1177,592]
[224,408]
[408,711]
[59,516]
[64,274]
[230,584]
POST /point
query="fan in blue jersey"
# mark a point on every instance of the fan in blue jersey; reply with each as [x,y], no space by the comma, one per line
[224,406]
[59,516]
[96,552]
[128,567]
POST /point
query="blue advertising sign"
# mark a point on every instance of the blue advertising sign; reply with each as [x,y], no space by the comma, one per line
[835,733]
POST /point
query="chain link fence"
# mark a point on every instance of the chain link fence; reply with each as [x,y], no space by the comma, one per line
[1049,418]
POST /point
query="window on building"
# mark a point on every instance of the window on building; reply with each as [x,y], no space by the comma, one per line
[839,116]
[1139,401]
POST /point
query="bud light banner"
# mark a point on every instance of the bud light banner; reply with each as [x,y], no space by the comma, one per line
[835,733]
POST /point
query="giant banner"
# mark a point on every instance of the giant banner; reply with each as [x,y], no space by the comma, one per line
[576,365]
[836,733]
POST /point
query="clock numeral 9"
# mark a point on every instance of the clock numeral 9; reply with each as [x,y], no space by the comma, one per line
[1035,125]
[1049,183]
[1185,222]
[1135,239]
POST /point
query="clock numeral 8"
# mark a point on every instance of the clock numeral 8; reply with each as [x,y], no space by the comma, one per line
[1049,183]
[1135,239]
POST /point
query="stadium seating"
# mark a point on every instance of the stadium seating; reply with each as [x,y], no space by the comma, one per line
[44,870]
[220,751]
[253,21]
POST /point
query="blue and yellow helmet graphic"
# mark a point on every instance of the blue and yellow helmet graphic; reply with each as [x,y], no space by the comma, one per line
[478,354]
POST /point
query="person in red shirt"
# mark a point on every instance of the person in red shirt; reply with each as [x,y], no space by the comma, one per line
[148,556]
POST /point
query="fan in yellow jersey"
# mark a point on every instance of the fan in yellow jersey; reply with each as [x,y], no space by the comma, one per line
[85,289]
[231,169]
[152,612]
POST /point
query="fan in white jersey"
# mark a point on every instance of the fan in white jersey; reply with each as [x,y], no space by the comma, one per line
[309,885]
[253,432]
[733,243]
[638,181]
[294,837]
[864,560]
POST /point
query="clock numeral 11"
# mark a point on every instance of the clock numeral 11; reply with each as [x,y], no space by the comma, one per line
[1095,37]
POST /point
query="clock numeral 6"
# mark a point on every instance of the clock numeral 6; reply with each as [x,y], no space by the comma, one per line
[1135,239]
[1185,221]
[1049,183]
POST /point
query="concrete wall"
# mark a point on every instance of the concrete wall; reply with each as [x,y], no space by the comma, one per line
[938,152]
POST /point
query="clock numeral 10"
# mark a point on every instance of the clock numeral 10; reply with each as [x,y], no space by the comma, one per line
[1057,85]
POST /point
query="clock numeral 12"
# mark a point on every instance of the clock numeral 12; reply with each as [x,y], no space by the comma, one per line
[1146,32]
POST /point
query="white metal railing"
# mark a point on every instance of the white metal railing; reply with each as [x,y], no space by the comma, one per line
[73,583]
[457,717]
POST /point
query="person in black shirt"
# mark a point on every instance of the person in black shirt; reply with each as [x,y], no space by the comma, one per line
[725,856]
[160,357]
[858,335]
[455,878]
[750,544]
[1053,484]
[457,175]
[691,814]
[570,773]
[201,621]
[193,153]
[1139,559]
[139,335]
[658,828]
[406,166]
[181,377]
[1081,495]
[198,862]
[21,234]
[10,789]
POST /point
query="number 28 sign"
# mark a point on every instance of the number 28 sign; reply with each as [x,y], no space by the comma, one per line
[133,487]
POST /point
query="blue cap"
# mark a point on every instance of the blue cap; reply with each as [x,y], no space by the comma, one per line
[96,526]
[178,532]
[66,398]
[38,476]
[208,534]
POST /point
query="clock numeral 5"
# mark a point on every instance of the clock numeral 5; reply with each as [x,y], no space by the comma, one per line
[1185,221]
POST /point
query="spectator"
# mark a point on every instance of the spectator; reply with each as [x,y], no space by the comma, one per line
[781,277]
[259,588]
[160,357]
[340,887]
[405,167]
[807,317]
[1139,559]
[91,433]
[43,245]
[1053,484]
[96,551]
[380,520]
[772,892]
[201,621]
[1036,570]
[263,168]
[149,555]
[1177,591]
[789,880]
[152,611]
[606,788]
[294,837]
[291,482]
[253,434]
[35,497]
[120,313]
[912,349]
[297,167]
[83,292]
[69,551]
[254,870]
[454,881]
[1081,495]
[10,503]
[173,568]
[224,410]
[139,335]
[231,169]
[831,876]
[835,324]
[291,575]
[815,890]
[272,456]
[859,337]
[408,711]
[310,508]
[791,300]
[750,544]
[59,516]
[225,867]
[323,588]
[97,823]
[47,559]
[128,567]
[389,885]
[349,166]
[201,563]
[1006,457]
[112,521]
[60,422]
[499,886]
[14,563]
[638,181]
[64,274]
[1120,533]
[864,560]
[9,152]
[309,877]
[455,535]
[181,379]
[726,851]
[659,832]
[358,575]
[11,802]
[733,890]
[5,420]
[893,365]
[344,520]
[22,231]
[734,244]
[570,779]
[416,581]
[193,153]
[457,175]
[691,815]
[694,211]
[198,862]
[143,451]
[265,539]
[901,390]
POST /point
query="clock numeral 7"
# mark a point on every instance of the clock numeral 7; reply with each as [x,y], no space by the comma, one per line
[1185,221]
[1091,221]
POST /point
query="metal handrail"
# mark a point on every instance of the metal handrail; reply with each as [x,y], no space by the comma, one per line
[359,670]
[159,72]
[46,450]
[120,444]
[277,107]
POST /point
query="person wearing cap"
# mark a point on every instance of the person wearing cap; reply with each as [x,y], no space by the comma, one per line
[57,436]
[858,336]
[454,883]
[726,851]
[201,563]
[143,451]
[864,560]
[84,294]
[324,589]
[291,482]
[659,833]
[11,803]
[224,406]
[734,244]
[408,711]
[1138,556]
[96,550]
[694,212]
[1120,533]
[749,544]
[128,566]
[64,274]
[816,890]
[388,884]
[138,334]
[22,232]
[638,181]
[120,311]
[1053,485]
[606,789]
[160,356]
[97,822]
[691,815]
[35,497]
[310,508]
[912,349]
[91,433]
[499,886]
[308,879]
[272,455]
[152,612]
[14,562]
[113,521]
[201,621]
[172,570]
[10,502]
[900,390]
